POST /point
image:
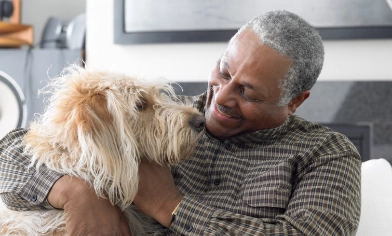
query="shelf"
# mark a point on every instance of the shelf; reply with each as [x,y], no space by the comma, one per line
[15,35]
[6,28]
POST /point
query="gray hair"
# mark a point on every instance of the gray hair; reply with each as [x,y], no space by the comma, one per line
[292,36]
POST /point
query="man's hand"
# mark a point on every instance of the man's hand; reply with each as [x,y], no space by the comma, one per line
[85,212]
[157,195]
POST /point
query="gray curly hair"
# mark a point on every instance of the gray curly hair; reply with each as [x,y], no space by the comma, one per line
[292,36]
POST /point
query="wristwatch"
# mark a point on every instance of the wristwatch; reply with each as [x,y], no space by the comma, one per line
[174,213]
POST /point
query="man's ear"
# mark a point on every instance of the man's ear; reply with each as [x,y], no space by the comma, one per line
[297,101]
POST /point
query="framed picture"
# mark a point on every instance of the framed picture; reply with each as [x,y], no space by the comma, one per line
[166,21]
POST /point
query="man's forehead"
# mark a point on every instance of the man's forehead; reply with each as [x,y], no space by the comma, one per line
[232,47]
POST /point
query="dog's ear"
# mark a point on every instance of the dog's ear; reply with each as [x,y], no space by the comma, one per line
[111,149]
[93,114]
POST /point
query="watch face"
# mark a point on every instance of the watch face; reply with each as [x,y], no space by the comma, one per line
[13,110]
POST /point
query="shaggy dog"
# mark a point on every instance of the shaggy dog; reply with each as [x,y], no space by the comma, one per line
[98,126]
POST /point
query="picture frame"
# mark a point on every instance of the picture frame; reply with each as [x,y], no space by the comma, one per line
[344,24]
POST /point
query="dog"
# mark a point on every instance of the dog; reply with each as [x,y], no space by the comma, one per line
[98,126]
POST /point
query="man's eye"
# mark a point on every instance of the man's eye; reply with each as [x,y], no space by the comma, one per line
[248,97]
[224,75]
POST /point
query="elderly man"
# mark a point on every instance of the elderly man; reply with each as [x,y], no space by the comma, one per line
[258,170]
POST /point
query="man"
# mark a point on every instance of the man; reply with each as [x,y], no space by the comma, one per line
[258,170]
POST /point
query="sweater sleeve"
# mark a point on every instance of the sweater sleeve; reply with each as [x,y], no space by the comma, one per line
[22,187]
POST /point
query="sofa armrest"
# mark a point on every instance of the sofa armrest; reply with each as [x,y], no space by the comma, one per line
[376,199]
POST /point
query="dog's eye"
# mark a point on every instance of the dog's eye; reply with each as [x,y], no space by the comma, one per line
[141,105]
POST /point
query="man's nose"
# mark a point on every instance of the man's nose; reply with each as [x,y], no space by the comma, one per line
[225,94]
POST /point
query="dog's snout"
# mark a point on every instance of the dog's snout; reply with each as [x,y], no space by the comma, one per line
[197,122]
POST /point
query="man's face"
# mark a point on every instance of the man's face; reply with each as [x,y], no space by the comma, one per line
[244,88]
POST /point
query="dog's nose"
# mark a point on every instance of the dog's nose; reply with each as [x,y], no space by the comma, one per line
[197,122]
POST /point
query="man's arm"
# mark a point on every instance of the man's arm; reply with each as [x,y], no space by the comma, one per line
[86,213]
[24,188]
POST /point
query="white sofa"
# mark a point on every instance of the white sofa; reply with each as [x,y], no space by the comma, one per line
[376,202]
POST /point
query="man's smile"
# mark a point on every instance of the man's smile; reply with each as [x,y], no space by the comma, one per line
[227,112]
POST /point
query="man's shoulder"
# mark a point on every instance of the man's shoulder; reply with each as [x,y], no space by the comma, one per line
[12,145]
[320,135]
[197,101]
[14,135]
[301,126]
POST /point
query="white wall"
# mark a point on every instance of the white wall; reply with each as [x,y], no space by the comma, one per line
[344,60]
[37,12]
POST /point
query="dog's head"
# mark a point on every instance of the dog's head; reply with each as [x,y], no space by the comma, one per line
[99,125]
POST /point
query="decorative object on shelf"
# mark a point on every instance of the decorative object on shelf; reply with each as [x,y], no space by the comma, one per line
[6,9]
[10,10]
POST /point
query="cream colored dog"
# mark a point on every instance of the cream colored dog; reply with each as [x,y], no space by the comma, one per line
[98,126]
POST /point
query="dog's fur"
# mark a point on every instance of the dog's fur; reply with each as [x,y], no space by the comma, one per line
[98,126]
